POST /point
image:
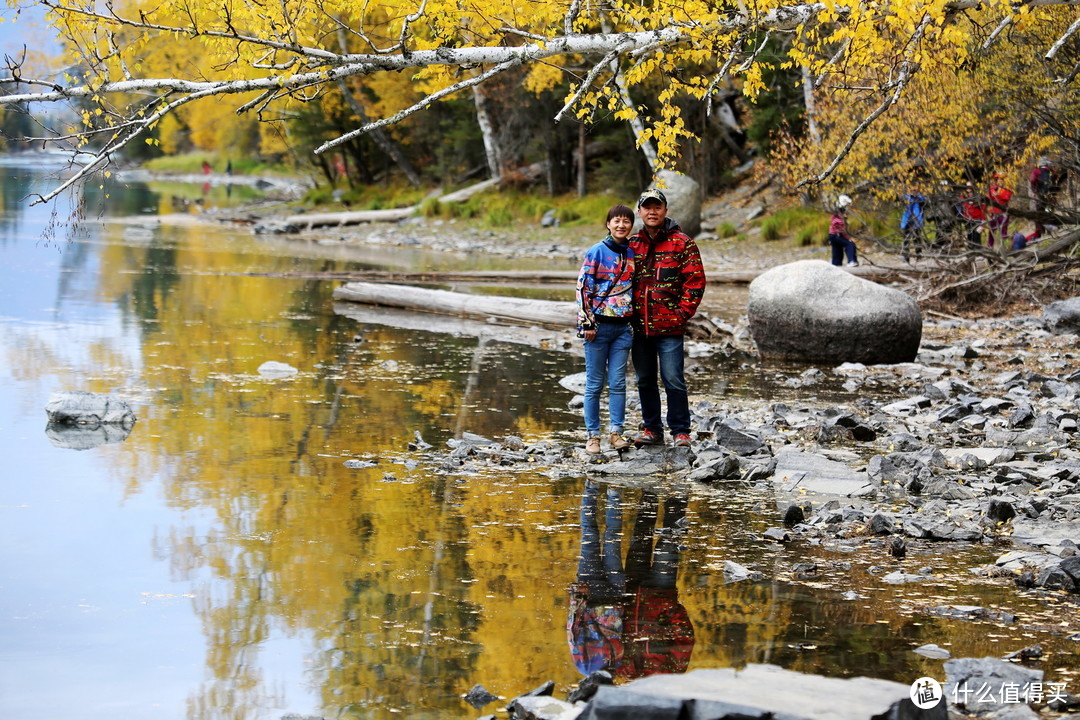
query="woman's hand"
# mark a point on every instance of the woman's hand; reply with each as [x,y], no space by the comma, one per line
[590,335]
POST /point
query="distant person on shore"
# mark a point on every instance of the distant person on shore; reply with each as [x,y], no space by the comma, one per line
[605,306]
[971,209]
[912,223]
[1044,185]
[997,210]
[669,282]
[205,167]
[839,239]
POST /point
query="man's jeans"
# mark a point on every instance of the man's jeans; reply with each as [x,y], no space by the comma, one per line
[663,354]
[605,359]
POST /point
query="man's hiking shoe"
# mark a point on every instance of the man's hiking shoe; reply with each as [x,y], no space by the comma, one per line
[682,440]
[618,442]
[592,446]
[648,437]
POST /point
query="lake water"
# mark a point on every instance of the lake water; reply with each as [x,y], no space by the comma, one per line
[223,561]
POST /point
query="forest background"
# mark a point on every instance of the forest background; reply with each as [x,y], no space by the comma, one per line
[869,99]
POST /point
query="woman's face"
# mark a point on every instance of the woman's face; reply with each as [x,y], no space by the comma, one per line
[620,227]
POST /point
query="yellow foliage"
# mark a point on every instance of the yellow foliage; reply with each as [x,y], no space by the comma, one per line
[870,46]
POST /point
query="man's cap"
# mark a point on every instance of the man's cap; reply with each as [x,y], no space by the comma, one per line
[651,195]
[843,201]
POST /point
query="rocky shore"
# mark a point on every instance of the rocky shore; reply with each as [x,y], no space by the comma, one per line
[975,442]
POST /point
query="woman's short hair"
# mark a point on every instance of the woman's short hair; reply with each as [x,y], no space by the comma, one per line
[619,211]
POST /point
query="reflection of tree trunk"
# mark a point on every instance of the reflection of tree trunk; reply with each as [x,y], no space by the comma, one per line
[471,384]
[487,130]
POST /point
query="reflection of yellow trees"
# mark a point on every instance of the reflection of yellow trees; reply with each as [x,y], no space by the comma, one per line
[371,566]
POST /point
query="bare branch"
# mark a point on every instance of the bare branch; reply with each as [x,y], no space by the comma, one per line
[571,16]
[424,102]
[586,83]
[907,71]
[1061,40]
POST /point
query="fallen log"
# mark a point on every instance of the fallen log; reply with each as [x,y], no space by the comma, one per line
[520,310]
[310,220]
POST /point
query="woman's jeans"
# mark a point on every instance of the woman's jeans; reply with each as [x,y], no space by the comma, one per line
[663,354]
[841,246]
[605,359]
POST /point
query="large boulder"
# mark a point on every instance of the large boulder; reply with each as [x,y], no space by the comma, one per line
[811,311]
[683,194]
[1063,316]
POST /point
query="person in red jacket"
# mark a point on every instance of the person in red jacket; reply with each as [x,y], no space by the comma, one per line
[997,208]
[669,281]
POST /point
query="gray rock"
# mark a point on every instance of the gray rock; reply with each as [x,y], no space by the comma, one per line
[1062,316]
[735,440]
[274,369]
[901,578]
[880,524]
[778,534]
[87,408]
[941,527]
[979,685]
[734,572]
[972,612]
[543,708]
[478,696]
[1000,510]
[811,311]
[804,472]
[933,651]
[757,692]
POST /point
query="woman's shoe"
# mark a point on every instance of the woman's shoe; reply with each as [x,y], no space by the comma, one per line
[618,442]
[592,445]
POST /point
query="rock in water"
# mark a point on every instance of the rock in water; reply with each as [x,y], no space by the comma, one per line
[87,408]
[811,311]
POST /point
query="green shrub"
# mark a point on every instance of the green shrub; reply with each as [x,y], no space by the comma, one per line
[771,228]
[726,230]
[431,207]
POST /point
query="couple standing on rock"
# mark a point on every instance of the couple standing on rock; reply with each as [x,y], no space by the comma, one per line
[635,295]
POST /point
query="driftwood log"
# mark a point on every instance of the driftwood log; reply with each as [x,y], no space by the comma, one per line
[547,313]
[517,311]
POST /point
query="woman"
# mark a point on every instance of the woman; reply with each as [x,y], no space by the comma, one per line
[605,305]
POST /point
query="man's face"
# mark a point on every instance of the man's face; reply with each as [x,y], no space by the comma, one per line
[652,213]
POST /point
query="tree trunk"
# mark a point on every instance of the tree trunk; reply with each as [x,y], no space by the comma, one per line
[487,130]
[808,100]
[581,161]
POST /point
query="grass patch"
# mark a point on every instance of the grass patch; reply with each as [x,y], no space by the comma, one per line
[726,230]
[191,163]
[807,225]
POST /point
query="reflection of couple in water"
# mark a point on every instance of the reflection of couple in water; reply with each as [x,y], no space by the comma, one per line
[628,620]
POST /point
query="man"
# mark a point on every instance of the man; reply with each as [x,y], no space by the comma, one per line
[669,281]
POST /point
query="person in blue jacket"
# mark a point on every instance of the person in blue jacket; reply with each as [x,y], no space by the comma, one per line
[912,222]
[605,306]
